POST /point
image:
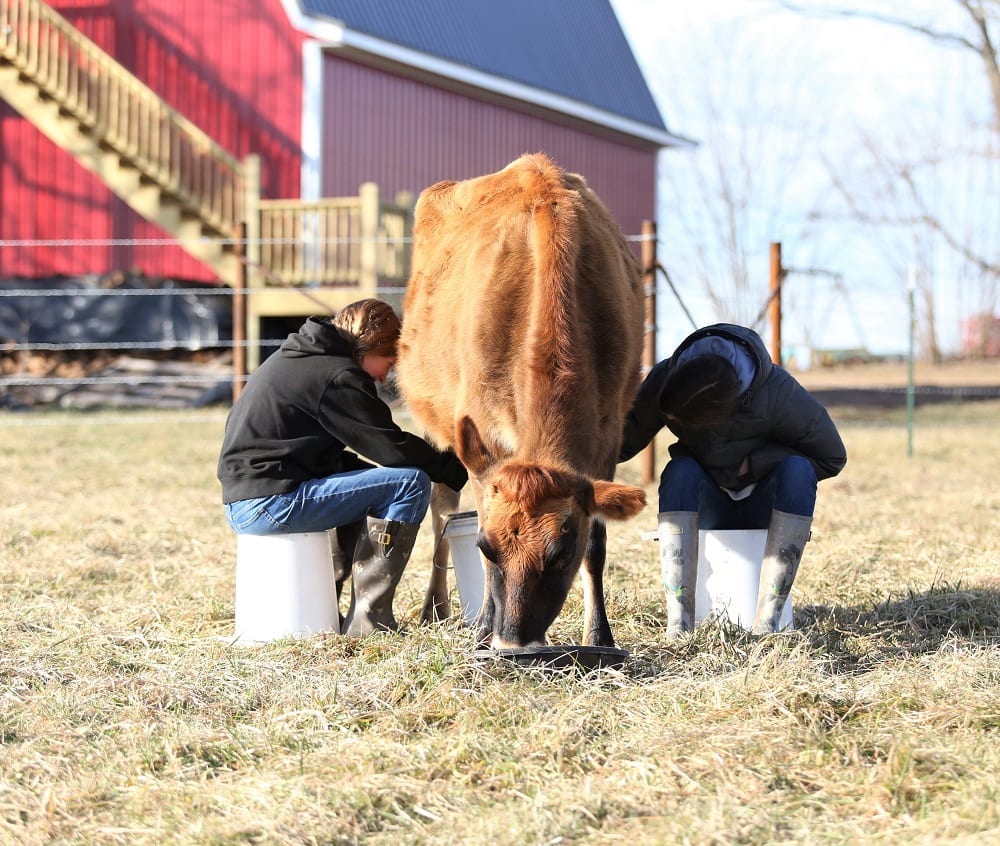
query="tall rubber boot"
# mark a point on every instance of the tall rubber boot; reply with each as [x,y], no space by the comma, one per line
[343,541]
[679,567]
[379,560]
[786,538]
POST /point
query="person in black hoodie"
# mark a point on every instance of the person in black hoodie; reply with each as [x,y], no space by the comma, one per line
[751,445]
[290,458]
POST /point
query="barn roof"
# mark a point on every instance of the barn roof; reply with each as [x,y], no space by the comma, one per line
[573,50]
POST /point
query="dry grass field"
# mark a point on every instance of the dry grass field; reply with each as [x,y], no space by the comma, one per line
[126,717]
[973,372]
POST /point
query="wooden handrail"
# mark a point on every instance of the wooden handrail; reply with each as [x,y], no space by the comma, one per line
[123,113]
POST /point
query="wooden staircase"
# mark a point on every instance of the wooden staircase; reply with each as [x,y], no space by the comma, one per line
[300,257]
[157,161]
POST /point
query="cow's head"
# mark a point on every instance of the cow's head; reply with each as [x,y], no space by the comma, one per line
[535,524]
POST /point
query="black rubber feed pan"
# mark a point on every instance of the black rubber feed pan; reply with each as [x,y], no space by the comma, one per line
[557,657]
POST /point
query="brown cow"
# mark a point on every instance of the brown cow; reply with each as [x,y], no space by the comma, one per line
[521,346]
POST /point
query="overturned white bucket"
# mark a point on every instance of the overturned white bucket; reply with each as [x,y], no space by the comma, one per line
[461,531]
[729,562]
[284,587]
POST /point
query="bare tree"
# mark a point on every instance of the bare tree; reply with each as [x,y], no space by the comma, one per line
[979,36]
[932,189]
[754,166]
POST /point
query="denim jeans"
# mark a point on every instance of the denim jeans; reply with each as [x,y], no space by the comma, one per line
[789,487]
[401,494]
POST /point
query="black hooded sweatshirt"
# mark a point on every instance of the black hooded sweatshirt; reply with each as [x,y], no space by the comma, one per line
[776,418]
[302,412]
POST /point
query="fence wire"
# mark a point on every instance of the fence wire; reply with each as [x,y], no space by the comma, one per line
[15,351]
[57,389]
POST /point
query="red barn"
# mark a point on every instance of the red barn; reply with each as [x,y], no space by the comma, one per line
[132,129]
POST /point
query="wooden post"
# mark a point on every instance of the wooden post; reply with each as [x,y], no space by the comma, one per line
[251,276]
[239,314]
[648,256]
[368,281]
[911,291]
[408,201]
[775,302]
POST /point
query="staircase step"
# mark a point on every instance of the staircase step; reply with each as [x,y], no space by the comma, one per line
[190,229]
[74,128]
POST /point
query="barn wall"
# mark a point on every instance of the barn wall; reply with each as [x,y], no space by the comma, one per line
[406,134]
[232,67]
[235,69]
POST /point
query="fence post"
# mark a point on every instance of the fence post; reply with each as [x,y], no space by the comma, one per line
[777,274]
[251,279]
[648,455]
[239,313]
[777,277]
[368,272]
[911,290]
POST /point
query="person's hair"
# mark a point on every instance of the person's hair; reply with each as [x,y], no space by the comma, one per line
[371,326]
[701,392]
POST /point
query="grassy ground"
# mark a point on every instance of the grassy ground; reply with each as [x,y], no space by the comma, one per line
[126,717]
[971,372]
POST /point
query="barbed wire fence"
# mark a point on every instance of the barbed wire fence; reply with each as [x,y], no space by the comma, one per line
[75,365]
[77,370]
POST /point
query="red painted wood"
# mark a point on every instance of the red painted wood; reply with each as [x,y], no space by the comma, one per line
[234,69]
[406,134]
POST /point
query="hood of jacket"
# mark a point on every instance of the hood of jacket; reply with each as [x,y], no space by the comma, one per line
[749,339]
[317,336]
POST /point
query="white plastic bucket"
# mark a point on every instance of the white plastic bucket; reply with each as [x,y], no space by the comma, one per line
[461,531]
[284,587]
[729,563]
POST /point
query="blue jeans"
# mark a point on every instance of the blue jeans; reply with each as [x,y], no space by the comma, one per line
[401,494]
[789,487]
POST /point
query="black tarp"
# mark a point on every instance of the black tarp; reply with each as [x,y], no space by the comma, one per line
[117,310]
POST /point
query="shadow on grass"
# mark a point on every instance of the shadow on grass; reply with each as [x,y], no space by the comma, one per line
[857,637]
[851,639]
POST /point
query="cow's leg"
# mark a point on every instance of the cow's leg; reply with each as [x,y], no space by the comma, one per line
[444,501]
[486,620]
[597,630]
[487,614]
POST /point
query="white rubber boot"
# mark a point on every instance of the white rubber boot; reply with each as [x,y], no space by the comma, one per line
[679,567]
[786,538]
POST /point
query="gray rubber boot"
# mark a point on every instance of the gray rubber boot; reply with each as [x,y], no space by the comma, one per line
[379,560]
[679,567]
[343,541]
[786,538]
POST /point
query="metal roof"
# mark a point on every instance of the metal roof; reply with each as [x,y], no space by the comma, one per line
[571,48]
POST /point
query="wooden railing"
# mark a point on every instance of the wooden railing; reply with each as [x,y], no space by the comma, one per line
[122,113]
[358,241]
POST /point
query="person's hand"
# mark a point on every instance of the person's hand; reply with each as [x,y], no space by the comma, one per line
[745,466]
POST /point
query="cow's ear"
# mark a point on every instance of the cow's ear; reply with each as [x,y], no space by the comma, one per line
[471,449]
[614,501]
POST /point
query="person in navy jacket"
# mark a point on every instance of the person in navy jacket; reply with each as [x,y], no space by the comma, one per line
[751,445]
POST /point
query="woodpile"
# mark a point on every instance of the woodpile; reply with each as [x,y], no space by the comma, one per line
[116,381]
